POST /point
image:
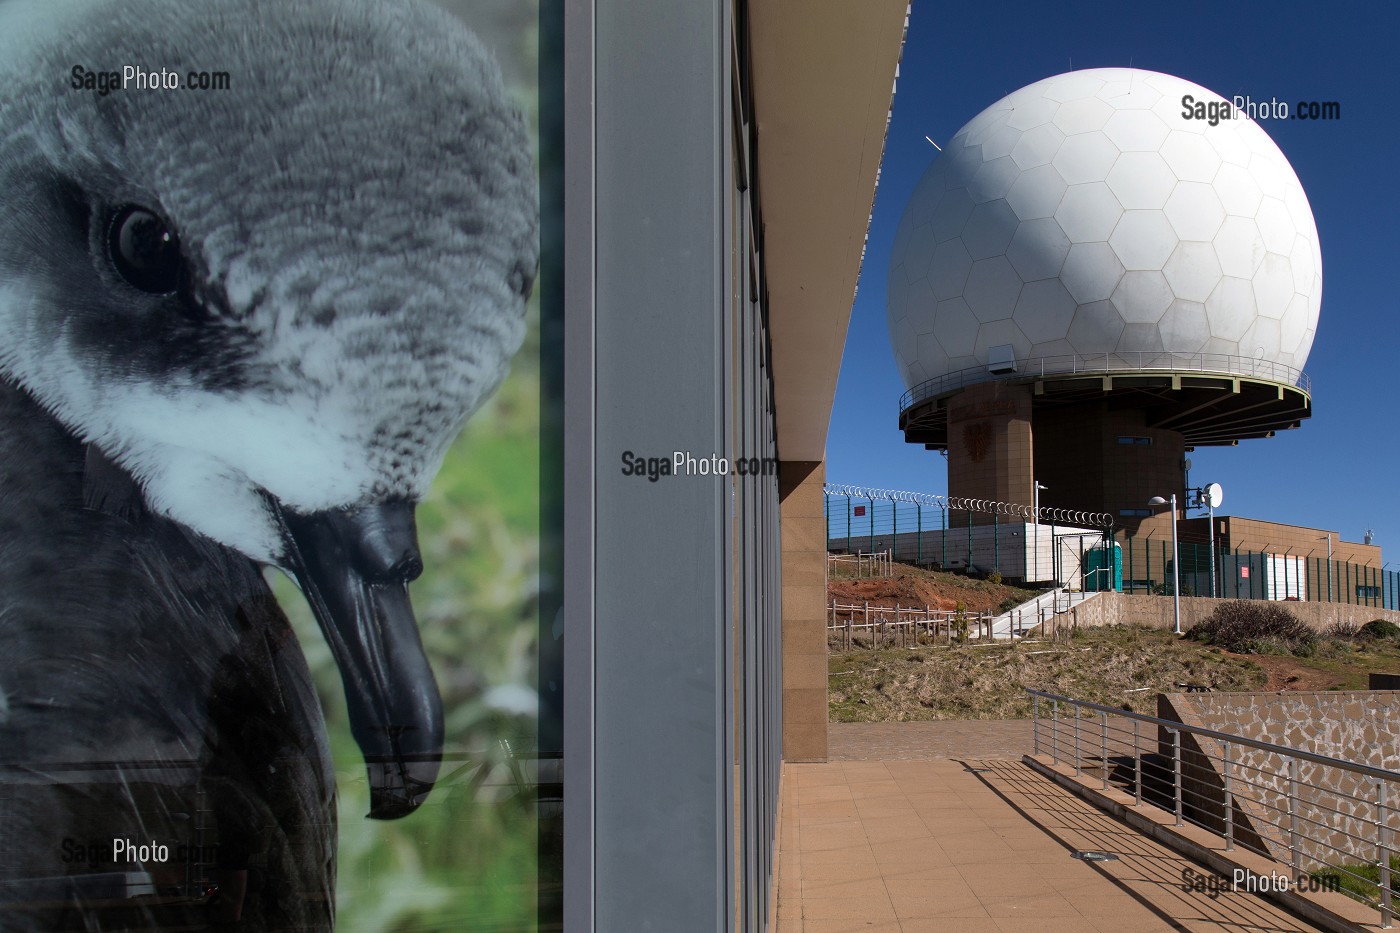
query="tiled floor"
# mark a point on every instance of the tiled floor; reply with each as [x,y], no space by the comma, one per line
[914,846]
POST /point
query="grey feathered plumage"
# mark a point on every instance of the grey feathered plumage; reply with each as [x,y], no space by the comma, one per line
[358,221]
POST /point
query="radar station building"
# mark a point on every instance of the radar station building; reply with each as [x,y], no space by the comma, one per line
[1086,286]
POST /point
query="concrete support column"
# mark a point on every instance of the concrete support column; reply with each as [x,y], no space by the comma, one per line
[803,530]
[990,450]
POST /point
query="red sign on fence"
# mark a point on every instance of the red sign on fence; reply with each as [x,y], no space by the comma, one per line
[1244,573]
[859,510]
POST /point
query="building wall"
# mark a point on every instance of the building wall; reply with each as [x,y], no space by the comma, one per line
[804,610]
[990,450]
[1084,464]
[1251,534]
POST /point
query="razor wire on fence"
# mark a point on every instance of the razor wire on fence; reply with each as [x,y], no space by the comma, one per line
[1065,548]
[1028,513]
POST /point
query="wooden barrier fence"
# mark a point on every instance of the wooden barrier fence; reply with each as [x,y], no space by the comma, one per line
[902,626]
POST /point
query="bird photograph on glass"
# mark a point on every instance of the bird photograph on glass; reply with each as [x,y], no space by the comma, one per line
[266,270]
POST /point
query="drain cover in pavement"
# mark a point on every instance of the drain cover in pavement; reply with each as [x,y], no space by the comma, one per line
[1090,855]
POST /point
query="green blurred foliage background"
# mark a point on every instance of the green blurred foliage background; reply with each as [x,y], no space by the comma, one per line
[466,860]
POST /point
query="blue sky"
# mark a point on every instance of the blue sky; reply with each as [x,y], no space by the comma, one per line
[1339,470]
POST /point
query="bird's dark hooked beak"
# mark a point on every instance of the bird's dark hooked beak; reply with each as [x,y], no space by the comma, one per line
[354,567]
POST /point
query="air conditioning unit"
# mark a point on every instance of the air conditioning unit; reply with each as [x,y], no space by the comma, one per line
[1002,359]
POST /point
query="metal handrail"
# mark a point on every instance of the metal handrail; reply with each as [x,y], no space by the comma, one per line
[1118,362]
[1283,821]
[1384,774]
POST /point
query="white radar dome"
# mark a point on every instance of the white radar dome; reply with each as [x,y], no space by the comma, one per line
[1086,214]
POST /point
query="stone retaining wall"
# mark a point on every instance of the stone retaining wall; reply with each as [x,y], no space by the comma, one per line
[1156,612]
[1361,726]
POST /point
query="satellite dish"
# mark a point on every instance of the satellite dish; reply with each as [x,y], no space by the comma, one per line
[1186,464]
[1215,495]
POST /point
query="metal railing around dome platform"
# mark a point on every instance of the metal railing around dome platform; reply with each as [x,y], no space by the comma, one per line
[1146,361]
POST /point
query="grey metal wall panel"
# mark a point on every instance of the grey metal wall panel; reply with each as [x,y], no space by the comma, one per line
[579,457]
[660,767]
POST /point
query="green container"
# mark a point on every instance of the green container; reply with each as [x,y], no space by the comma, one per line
[1098,575]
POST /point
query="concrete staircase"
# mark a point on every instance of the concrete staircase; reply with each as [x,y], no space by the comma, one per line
[1026,617]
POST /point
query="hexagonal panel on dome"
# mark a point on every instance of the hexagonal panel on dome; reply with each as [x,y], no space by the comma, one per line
[1089,212]
[1300,263]
[1269,175]
[992,287]
[1194,210]
[1136,130]
[1084,158]
[920,241]
[1273,286]
[1226,140]
[1261,340]
[1096,328]
[1141,181]
[1076,85]
[992,179]
[947,273]
[1082,115]
[999,142]
[954,327]
[1091,272]
[1189,157]
[1184,328]
[930,347]
[1238,192]
[1142,297]
[1037,146]
[1192,271]
[1034,112]
[950,216]
[1134,93]
[1036,193]
[1038,249]
[1143,239]
[1140,338]
[989,229]
[1275,226]
[919,301]
[1044,310]
[1230,308]
[1240,247]
[1293,325]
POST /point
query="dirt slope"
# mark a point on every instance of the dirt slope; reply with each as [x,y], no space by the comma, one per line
[913,587]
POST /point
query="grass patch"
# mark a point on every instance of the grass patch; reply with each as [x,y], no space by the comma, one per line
[1368,889]
[1117,665]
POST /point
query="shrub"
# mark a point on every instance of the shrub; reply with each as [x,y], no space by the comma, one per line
[1380,628]
[1256,627]
[994,578]
[1344,630]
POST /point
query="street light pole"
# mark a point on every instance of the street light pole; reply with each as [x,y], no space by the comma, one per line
[1035,512]
[1176,563]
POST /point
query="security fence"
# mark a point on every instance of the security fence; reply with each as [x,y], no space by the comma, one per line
[1075,550]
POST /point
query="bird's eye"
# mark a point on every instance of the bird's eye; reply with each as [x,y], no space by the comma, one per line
[144,250]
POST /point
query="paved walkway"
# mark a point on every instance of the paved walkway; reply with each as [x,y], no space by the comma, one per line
[895,741]
[914,843]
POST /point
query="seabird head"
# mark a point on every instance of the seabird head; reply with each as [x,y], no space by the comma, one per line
[273,305]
